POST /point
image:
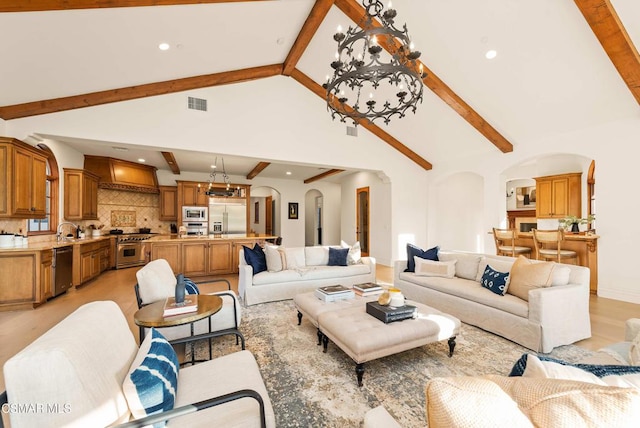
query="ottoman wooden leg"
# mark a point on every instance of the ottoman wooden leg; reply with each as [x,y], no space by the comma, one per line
[325,342]
[320,335]
[359,373]
[452,345]
[299,317]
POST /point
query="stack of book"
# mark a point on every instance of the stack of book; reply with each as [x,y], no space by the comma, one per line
[388,314]
[171,308]
[331,293]
[367,289]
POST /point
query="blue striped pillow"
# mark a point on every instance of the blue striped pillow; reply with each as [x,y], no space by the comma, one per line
[152,383]
[190,287]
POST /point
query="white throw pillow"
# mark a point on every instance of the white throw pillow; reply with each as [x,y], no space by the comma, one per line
[295,257]
[560,275]
[426,267]
[273,256]
[634,351]
[355,252]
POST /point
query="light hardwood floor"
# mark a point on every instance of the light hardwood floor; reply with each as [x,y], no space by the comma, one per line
[19,328]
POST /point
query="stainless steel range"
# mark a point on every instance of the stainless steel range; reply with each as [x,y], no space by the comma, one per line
[131,250]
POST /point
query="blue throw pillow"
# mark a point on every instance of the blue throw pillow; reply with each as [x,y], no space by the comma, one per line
[338,256]
[599,370]
[155,380]
[412,250]
[494,280]
[256,258]
[190,287]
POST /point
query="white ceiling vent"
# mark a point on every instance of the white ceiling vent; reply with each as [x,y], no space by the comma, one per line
[352,131]
[197,104]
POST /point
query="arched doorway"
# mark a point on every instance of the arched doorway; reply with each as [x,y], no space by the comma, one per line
[313,218]
[265,210]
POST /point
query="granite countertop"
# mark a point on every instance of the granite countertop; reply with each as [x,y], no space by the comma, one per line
[48,245]
[230,237]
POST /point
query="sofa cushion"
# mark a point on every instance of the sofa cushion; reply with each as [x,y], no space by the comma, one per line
[470,290]
[338,256]
[277,277]
[275,258]
[256,258]
[295,257]
[424,267]
[560,275]
[152,383]
[316,256]
[526,276]
[412,251]
[466,264]
[500,265]
[495,281]
[326,272]
[634,351]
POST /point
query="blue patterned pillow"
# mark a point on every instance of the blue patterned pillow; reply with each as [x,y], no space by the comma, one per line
[494,280]
[412,250]
[338,256]
[256,258]
[152,383]
[190,287]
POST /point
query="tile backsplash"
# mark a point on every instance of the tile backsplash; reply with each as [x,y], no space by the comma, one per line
[145,207]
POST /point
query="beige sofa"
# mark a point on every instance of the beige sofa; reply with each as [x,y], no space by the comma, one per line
[305,269]
[76,373]
[553,316]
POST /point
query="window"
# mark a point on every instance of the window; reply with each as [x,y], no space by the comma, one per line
[49,223]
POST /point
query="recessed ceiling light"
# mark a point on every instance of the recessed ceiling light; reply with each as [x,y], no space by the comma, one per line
[288,172]
[141,160]
[491,54]
[164,46]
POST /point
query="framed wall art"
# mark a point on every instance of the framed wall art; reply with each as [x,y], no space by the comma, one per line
[293,210]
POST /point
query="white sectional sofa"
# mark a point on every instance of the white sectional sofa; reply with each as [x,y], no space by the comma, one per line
[553,316]
[304,269]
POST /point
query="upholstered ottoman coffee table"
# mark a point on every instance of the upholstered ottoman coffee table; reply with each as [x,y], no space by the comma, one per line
[364,338]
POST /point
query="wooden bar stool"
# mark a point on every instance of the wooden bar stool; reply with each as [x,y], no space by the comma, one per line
[548,245]
[506,243]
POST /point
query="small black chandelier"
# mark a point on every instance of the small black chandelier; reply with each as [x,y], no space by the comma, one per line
[216,191]
[357,87]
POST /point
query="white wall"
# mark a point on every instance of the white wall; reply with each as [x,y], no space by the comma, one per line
[310,230]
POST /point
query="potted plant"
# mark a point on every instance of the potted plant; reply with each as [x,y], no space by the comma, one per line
[572,222]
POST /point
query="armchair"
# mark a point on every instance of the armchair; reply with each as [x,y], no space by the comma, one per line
[157,281]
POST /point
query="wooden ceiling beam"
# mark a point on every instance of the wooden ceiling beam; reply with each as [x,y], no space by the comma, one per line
[307,82]
[606,25]
[325,174]
[356,13]
[45,5]
[257,170]
[133,92]
[311,25]
[172,162]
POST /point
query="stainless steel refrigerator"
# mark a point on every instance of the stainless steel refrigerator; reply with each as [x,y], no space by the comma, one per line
[227,217]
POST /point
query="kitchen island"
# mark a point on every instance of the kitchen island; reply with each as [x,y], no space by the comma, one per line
[202,255]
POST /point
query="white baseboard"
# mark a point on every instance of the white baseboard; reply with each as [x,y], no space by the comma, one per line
[623,295]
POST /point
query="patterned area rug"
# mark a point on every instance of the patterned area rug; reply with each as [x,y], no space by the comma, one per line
[311,389]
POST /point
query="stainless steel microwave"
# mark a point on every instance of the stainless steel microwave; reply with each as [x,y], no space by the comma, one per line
[195,214]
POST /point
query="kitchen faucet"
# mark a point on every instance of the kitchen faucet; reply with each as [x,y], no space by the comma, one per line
[59,232]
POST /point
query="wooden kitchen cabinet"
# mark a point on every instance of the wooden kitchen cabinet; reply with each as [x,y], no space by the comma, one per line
[23,272]
[195,258]
[191,195]
[23,180]
[46,275]
[220,258]
[559,196]
[80,195]
[169,203]
[94,258]
[170,251]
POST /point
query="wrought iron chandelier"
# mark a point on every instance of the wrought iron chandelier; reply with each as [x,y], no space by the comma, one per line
[385,85]
[217,191]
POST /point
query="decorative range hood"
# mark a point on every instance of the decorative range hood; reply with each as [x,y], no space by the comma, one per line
[119,174]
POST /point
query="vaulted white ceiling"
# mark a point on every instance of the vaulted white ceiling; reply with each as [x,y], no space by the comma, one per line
[551,74]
